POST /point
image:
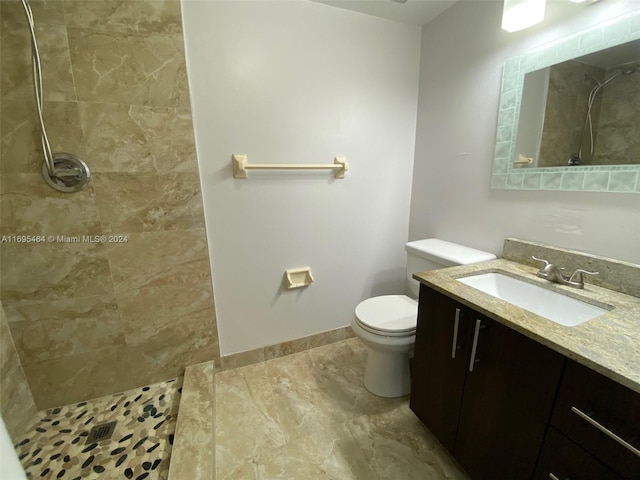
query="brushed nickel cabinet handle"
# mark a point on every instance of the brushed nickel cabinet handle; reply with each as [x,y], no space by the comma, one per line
[472,361]
[606,431]
[553,477]
[456,324]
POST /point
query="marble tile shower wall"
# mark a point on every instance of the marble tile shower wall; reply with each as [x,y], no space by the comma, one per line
[16,403]
[619,122]
[616,127]
[566,108]
[89,319]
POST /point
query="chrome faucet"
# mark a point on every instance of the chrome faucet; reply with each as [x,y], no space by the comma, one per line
[553,273]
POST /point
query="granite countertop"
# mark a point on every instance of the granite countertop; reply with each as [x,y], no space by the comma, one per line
[608,344]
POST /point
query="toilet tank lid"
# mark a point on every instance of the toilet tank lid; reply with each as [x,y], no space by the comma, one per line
[447,252]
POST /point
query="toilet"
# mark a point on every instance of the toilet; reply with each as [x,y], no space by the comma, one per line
[387,324]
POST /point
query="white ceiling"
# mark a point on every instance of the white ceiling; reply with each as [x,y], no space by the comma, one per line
[415,12]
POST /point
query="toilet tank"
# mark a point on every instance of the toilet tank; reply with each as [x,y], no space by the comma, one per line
[432,253]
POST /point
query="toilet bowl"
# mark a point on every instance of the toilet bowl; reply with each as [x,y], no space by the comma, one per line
[387,324]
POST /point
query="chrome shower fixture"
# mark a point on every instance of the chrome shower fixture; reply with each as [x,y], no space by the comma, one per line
[70,173]
[576,158]
[62,171]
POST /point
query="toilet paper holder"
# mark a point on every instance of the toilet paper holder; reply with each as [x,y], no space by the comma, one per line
[298,277]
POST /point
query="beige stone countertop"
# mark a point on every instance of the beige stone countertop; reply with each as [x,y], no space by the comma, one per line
[609,344]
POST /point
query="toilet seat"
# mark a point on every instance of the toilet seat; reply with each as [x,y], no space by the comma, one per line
[388,315]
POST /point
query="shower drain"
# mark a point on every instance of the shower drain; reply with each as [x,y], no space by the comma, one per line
[104,431]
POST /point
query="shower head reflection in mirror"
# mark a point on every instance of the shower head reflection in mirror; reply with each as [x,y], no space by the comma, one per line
[577,158]
[582,107]
[533,79]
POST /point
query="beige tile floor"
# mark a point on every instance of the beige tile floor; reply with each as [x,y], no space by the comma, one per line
[308,416]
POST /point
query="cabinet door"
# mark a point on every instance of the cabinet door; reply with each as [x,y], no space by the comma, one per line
[439,364]
[601,416]
[562,459]
[507,402]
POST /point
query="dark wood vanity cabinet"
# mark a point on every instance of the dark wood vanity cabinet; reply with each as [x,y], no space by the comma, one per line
[508,408]
[485,391]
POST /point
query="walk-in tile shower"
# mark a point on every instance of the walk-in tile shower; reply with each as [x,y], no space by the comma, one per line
[105,288]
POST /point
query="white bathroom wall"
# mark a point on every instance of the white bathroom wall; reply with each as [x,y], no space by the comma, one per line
[301,82]
[457,113]
[9,462]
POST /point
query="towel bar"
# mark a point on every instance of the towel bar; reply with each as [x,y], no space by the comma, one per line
[240,166]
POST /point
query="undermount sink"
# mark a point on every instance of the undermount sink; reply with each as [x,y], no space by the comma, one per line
[551,305]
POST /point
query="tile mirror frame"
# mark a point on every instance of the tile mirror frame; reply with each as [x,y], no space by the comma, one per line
[593,178]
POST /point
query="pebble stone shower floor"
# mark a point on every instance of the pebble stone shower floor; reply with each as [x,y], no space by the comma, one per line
[55,447]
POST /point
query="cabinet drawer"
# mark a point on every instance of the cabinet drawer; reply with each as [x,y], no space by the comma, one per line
[562,459]
[600,416]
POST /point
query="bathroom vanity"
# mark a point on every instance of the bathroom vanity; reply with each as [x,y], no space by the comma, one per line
[512,395]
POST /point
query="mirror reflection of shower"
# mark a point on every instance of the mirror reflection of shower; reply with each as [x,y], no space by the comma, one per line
[62,171]
[587,126]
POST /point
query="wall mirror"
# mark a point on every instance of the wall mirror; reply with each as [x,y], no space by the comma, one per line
[569,115]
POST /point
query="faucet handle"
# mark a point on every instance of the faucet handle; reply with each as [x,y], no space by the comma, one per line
[546,262]
[548,267]
[577,276]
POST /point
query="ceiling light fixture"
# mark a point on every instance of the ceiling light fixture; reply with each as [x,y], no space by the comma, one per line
[520,14]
